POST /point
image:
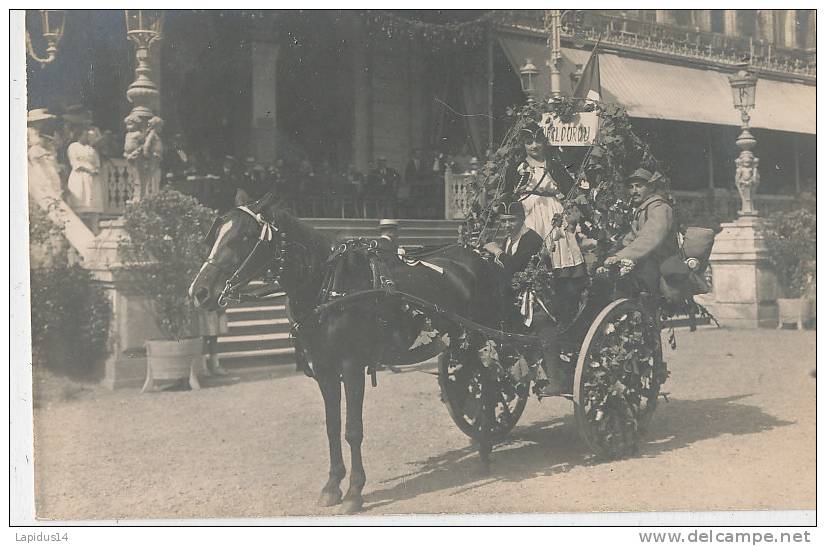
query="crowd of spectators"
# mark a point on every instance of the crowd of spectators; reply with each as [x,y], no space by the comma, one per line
[311,188]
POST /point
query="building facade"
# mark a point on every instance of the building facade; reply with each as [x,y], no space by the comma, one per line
[344,88]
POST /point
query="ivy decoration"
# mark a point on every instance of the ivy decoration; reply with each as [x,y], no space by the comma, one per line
[603,202]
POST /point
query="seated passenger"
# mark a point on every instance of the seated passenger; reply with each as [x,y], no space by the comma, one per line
[653,236]
[521,245]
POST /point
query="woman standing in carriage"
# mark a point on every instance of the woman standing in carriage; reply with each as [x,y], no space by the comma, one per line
[540,183]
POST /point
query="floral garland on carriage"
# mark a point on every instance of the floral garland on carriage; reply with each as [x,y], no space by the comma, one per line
[598,173]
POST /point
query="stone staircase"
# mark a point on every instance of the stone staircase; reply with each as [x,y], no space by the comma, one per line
[259,331]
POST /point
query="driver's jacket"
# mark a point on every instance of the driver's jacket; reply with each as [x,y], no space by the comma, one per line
[652,239]
[517,254]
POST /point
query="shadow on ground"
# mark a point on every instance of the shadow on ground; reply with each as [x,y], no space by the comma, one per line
[554,447]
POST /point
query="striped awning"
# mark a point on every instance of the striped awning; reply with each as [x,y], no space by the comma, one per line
[658,90]
[655,90]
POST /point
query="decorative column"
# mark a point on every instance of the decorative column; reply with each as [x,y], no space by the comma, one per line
[264,51]
[362,93]
[790,28]
[665,17]
[142,147]
[730,22]
[745,287]
[703,19]
[553,22]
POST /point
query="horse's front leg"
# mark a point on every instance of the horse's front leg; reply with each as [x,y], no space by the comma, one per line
[329,382]
[353,374]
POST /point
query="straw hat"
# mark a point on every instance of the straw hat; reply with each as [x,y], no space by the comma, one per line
[39,114]
[387,223]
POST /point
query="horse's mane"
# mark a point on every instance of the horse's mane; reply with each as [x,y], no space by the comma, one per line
[316,242]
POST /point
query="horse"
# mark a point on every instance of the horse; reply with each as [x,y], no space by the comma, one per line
[346,339]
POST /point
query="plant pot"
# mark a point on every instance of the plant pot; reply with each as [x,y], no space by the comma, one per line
[792,310]
[173,361]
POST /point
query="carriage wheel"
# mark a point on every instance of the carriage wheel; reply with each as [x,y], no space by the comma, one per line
[470,391]
[618,376]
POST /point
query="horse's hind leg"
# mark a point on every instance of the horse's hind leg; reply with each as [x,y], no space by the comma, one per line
[354,433]
[330,384]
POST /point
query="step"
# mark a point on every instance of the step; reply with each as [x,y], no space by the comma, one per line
[252,342]
[258,323]
[258,326]
[264,357]
[256,312]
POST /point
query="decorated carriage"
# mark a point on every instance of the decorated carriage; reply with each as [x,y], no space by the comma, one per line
[361,304]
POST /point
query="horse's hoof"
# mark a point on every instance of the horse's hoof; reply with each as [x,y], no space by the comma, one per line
[352,505]
[329,498]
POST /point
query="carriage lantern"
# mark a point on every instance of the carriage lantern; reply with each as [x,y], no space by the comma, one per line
[528,74]
[52,23]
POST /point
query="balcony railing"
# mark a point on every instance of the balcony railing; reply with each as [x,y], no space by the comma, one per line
[672,40]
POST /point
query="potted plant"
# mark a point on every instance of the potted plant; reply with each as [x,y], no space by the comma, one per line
[791,242]
[163,254]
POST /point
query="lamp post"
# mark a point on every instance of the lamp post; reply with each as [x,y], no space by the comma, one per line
[142,146]
[527,75]
[52,23]
[553,22]
[747,176]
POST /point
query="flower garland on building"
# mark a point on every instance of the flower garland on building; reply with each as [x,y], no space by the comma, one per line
[391,25]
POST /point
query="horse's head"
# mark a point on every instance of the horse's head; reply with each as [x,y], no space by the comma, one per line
[243,243]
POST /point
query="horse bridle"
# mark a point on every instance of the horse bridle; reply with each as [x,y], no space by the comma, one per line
[270,235]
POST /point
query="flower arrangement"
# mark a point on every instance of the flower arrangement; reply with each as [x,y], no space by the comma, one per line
[165,250]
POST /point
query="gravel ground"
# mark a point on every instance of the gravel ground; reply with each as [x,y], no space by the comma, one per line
[738,433]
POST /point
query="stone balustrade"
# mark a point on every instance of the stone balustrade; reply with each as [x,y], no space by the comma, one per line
[458,194]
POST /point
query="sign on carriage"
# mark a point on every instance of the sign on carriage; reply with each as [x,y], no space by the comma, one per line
[582,131]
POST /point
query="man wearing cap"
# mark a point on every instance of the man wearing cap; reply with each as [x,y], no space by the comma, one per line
[521,245]
[388,235]
[653,237]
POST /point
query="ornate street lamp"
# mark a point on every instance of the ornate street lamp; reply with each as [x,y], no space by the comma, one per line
[528,74]
[143,27]
[52,23]
[747,175]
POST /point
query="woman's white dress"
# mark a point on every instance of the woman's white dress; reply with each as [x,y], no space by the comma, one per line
[43,169]
[85,182]
[540,211]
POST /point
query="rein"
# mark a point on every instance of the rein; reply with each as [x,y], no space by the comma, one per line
[270,234]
